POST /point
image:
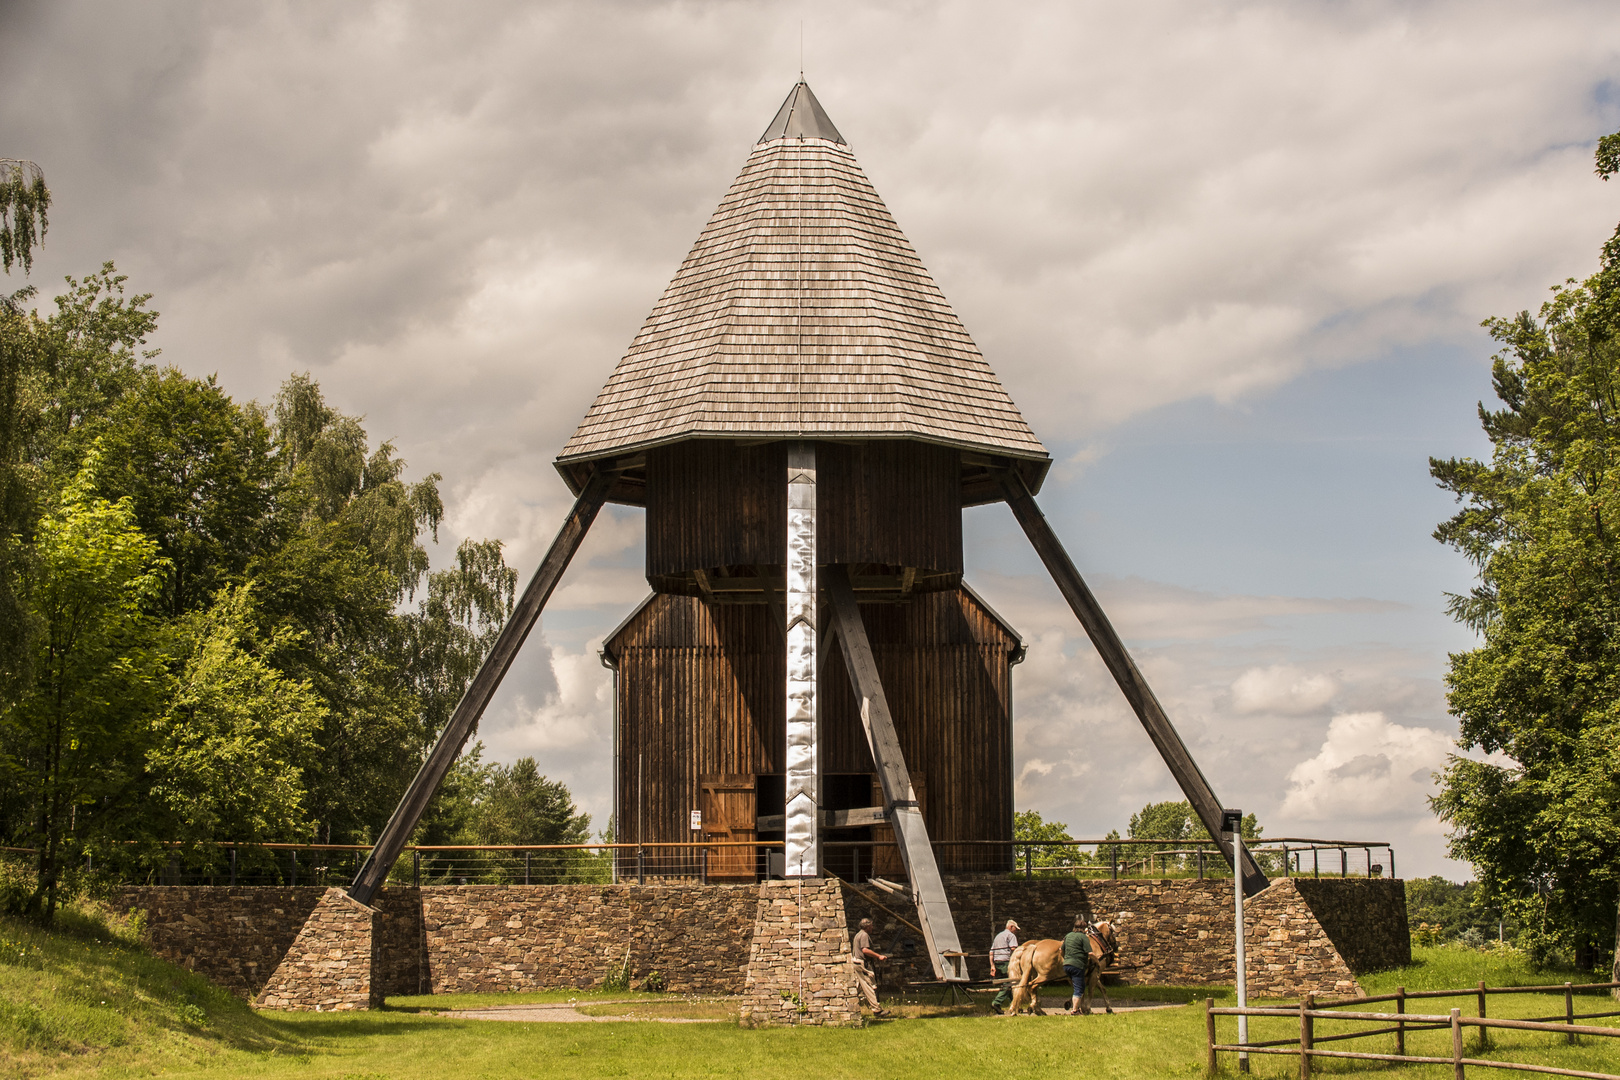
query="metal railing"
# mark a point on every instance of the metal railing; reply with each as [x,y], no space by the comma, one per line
[225,863]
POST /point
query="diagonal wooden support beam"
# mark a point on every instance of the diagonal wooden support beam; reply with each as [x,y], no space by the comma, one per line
[1123,668]
[464,721]
[900,801]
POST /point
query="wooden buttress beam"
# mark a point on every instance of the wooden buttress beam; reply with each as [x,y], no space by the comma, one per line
[900,801]
[464,721]
[1125,672]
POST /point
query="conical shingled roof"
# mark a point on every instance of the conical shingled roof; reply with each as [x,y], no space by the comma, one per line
[802,310]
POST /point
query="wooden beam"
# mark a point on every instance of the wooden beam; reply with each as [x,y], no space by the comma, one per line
[900,801]
[464,721]
[1124,669]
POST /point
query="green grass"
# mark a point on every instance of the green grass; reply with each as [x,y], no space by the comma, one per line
[86,994]
[86,1001]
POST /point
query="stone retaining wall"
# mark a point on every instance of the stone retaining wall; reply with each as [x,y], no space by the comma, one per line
[491,938]
[1304,934]
[1175,932]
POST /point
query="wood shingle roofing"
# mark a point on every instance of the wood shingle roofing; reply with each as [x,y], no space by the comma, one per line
[802,310]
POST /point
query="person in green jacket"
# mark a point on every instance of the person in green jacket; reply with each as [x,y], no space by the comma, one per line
[1076,958]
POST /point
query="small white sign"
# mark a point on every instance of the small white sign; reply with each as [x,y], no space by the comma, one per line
[697,819]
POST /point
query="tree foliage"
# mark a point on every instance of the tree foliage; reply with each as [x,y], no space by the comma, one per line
[1541,822]
[220,622]
[24,199]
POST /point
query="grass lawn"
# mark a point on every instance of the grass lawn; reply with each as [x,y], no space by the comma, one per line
[86,1001]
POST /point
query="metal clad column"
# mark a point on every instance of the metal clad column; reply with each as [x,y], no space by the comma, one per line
[803,770]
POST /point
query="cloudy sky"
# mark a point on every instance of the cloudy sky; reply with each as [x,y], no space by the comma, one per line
[1230,259]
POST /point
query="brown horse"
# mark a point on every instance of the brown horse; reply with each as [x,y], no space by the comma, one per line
[1036,962]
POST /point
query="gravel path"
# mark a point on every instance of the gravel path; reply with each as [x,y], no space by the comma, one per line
[565,1013]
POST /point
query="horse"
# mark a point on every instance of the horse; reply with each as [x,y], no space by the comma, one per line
[1035,962]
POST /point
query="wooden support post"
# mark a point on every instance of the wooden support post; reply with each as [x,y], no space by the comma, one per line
[470,709]
[1209,1034]
[1484,1032]
[802,822]
[910,833]
[1569,1012]
[233,866]
[1400,1025]
[1457,1070]
[1307,1003]
[1123,668]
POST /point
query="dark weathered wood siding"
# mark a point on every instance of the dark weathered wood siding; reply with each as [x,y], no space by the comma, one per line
[700,692]
[713,503]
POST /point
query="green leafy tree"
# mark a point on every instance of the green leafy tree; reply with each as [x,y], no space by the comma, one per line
[74,739]
[24,200]
[227,757]
[1031,829]
[1543,689]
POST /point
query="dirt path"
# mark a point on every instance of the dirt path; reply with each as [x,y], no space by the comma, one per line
[567,1012]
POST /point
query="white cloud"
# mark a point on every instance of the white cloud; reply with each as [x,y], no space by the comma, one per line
[1282,690]
[1368,769]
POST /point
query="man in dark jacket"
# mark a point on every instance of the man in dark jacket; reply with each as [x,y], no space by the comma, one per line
[1076,959]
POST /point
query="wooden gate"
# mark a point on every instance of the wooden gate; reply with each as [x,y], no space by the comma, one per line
[728,805]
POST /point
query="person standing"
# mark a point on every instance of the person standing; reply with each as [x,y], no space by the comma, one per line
[1001,950]
[1076,957]
[861,954]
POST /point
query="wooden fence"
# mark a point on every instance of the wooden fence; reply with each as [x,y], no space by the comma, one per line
[1399,1023]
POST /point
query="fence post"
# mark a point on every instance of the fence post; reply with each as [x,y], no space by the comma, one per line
[1316,863]
[1200,864]
[1391,864]
[1285,860]
[1029,861]
[416,868]
[854,875]
[233,866]
[641,864]
[295,866]
[1569,1012]
[1209,1030]
[1400,1025]
[1113,861]
[1484,1032]
[1306,1004]
[1457,1070]
[1344,863]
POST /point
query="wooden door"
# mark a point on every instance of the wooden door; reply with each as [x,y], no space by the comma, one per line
[886,862]
[728,805]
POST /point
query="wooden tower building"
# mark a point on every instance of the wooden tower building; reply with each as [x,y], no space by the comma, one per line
[803,323]
[804,418]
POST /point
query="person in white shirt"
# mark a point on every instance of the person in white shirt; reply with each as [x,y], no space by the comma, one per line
[1001,950]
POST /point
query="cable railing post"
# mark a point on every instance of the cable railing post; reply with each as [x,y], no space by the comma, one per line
[526,855]
[641,864]
[416,868]
[233,867]
[1391,863]
[1344,863]
[1200,864]
[294,854]
[1029,861]
[1113,861]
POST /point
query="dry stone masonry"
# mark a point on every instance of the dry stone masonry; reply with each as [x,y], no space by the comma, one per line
[1303,934]
[328,967]
[798,967]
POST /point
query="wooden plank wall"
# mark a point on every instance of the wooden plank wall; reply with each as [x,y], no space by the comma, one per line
[700,693]
[713,503]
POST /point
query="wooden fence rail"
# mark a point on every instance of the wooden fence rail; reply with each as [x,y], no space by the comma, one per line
[1401,1022]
